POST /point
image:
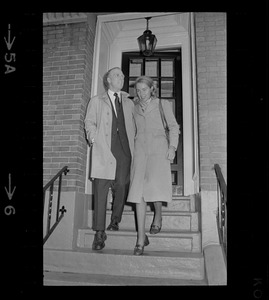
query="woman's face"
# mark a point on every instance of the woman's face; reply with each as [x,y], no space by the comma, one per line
[143,91]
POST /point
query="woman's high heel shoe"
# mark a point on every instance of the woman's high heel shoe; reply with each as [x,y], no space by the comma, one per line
[154,229]
[139,249]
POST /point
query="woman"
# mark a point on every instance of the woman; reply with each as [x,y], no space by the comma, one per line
[150,171]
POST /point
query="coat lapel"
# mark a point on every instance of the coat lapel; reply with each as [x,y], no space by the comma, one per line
[106,100]
[138,109]
[124,97]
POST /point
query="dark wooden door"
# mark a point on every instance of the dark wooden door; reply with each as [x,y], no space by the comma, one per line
[165,69]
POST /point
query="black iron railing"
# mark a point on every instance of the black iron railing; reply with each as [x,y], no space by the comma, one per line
[222,207]
[62,210]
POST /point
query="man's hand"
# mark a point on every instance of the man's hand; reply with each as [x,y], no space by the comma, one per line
[171,153]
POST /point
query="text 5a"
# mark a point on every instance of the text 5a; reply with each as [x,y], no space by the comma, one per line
[10,57]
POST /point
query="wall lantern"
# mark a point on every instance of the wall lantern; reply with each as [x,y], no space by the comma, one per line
[147,42]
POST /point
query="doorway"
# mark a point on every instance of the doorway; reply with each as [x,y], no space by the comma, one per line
[116,37]
[165,69]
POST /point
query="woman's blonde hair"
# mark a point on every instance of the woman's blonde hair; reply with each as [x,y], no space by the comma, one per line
[149,82]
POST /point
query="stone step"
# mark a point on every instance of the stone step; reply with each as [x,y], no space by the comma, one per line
[178,203]
[184,204]
[163,241]
[153,264]
[171,220]
[78,279]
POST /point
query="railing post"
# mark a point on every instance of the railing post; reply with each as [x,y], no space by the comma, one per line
[225,227]
[59,196]
[222,207]
[219,216]
[50,207]
[44,196]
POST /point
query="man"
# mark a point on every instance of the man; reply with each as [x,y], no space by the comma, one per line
[110,129]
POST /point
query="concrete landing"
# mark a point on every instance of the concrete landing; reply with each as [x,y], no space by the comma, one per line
[154,264]
[78,279]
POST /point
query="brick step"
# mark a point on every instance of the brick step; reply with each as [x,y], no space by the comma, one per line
[78,279]
[154,264]
[163,241]
[171,220]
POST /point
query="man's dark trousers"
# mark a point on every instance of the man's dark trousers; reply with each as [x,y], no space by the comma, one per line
[120,186]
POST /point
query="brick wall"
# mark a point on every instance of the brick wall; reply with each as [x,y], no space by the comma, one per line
[211,76]
[67,69]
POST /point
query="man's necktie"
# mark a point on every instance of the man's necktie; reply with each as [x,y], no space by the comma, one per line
[117,103]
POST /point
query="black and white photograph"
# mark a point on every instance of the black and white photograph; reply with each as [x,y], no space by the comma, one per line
[121,132]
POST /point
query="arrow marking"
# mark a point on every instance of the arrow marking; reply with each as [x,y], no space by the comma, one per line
[9,193]
[9,45]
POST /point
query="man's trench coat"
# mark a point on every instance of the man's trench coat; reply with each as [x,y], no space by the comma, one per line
[98,126]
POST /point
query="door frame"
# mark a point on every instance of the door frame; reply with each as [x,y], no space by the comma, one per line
[111,42]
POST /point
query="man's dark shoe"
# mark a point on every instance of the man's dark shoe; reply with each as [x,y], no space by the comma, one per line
[99,240]
[114,226]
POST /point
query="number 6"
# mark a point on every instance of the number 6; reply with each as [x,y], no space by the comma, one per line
[9,210]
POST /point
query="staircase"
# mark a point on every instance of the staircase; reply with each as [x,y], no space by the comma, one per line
[173,257]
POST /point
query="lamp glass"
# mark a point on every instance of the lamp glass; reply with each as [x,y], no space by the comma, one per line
[147,43]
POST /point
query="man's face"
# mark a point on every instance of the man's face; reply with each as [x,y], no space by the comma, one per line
[115,80]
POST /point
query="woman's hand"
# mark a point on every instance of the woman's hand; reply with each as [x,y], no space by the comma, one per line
[171,153]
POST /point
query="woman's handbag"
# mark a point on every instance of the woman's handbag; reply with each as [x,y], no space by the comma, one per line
[165,125]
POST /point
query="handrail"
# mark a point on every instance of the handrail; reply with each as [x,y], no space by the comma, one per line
[50,185]
[63,170]
[221,181]
[222,207]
